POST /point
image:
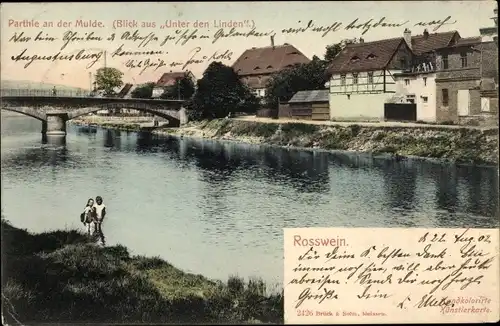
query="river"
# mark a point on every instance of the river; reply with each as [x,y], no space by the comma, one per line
[218,208]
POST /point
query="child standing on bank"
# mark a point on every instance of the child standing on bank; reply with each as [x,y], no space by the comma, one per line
[99,210]
[87,217]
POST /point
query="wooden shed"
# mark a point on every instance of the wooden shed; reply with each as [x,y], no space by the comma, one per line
[310,105]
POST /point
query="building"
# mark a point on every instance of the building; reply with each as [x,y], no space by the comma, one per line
[361,78]
[458,80]
[416,87]
[467,79]
[489,70]
[490,34]
[256,65]
[363,74]
[310,105]
[169,79]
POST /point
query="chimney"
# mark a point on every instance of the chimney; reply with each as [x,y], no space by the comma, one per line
[272,41]
[407,37]
[426,34]
[361,40]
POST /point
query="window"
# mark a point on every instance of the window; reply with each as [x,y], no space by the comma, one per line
[354,77]
[371,56]
[445,61]
[402,61]
[445,97]
[370,78]
[463,59]
[354,59]
[485,104]
[407,82]
[410,98]
[425,81]
[425,99]
[342,79]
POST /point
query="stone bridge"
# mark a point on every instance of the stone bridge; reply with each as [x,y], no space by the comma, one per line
[54,111]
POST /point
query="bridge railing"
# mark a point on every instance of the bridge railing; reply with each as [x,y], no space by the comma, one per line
[43,92]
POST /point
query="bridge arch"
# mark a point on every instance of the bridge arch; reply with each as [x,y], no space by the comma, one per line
[30,112]
[171,115]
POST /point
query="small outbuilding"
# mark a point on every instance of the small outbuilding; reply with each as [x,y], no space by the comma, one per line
[310,105]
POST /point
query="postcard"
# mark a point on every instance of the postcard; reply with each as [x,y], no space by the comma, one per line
[249,162]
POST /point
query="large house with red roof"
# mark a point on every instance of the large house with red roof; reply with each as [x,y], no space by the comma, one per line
[169,79]
[256,65]
[363,74]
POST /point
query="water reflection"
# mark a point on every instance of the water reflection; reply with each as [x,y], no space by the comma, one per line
[37,157]
[230,200]
[112,139]
[54,140]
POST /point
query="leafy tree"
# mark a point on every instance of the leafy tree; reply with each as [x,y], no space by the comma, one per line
[301,77]
[183,88]
[220,91]
[143,91]
[334,49]
[108,78]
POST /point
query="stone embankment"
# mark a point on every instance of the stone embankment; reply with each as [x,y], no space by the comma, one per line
[451,143]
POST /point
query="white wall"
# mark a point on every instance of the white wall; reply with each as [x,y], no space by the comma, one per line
[358,107]
[426,111]
[158,91]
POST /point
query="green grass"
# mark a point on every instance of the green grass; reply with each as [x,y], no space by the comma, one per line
[63,276]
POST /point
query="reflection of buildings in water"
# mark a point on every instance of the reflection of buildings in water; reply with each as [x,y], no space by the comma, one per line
[112,138]
[446,189]
[482,190]
[400,184]
[305,171]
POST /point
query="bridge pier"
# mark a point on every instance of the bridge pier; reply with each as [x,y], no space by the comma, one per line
[55,125]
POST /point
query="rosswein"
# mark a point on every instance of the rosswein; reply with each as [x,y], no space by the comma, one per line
[88,23]
[228,24]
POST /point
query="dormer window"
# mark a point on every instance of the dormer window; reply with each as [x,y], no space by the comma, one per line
[294,52]
[371,56]
[269,67]
[256,68]
[355,59]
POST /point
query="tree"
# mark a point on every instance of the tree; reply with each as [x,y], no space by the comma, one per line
[108,78]
[334,49]
[301,77]
[220,91]
[143,91]
[183,88]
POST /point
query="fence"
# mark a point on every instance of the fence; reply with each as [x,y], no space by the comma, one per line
[44,92]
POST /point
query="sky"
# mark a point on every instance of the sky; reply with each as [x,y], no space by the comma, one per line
[467,17]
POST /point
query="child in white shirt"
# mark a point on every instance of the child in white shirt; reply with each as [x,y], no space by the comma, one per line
[99,212]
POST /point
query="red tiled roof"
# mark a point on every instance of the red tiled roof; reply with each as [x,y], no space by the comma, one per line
[269,59]
[420,44]
[365,56]
[168,79]
[378,54]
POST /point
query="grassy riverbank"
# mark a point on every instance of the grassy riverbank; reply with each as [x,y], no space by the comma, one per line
[461,145]
[63,276]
